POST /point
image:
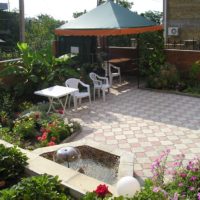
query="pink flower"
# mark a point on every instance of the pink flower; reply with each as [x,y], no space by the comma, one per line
[51,143]
[193,178]
[180,184]
[156,189]
[198,196]
[191,188]
[183,175]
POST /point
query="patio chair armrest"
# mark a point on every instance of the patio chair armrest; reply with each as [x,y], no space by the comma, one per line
[105,79]
[83,84]
[97,82]
[115,67]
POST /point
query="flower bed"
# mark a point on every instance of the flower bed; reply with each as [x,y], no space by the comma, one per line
[37,129]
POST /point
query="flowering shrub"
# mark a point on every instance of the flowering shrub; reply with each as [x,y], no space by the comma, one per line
[54,132]
[101,192]
[36,129]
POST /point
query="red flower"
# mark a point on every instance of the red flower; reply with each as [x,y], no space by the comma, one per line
[51,143]
[53,139]
[39,138]
[102,191]
[44,136]
[183,175]
[61,111]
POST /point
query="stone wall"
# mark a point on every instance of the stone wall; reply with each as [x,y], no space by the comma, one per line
[184,14]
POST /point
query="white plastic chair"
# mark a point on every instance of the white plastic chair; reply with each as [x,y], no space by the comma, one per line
[100,83]
[114,71]
[74,83]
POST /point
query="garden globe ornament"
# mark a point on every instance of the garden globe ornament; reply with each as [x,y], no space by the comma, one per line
[127,186]
[67,154]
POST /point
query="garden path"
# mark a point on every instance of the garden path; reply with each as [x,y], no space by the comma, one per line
[144,123]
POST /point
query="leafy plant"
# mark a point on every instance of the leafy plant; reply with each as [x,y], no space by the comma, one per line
[42,187]
[194,74]
[12,163]
[38,69]
[25,128]
[7,135]
[166,78]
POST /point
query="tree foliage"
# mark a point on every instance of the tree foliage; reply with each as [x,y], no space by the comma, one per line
[39,31]
[78,14]
[154,16]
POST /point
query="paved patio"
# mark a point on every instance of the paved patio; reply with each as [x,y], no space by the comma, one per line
[144,123]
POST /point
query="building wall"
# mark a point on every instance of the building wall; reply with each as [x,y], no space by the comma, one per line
[184,14]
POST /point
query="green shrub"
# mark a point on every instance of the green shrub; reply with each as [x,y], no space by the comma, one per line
[43,187]
[25,128]
[6,102]
[7,135]
[12,163]
[25,106]
[166,78]
[194,74]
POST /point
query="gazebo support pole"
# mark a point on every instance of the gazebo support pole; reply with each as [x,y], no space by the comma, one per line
[138,61]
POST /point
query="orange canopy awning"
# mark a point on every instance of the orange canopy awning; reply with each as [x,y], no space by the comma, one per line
[106,32]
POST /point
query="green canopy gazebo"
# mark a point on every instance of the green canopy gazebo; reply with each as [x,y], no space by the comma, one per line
[107,19]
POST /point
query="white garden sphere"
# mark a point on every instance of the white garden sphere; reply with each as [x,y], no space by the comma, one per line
[128,186]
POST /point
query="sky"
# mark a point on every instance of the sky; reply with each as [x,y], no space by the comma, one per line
[64,9]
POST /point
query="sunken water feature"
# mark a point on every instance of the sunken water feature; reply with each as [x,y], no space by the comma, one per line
[91,162]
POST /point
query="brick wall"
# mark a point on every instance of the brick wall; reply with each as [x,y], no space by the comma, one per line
[182,59]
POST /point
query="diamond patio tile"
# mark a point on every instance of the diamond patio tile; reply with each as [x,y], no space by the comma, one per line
[166,143]
[140,154]
[151,153]
[172,138]
[186,141]
[117,129]
[99,138]
[145,144]
[181,146]
[120,137]
[109,133]
[143,160]
[151,139]
[111,142]
[124,146]
[128,132]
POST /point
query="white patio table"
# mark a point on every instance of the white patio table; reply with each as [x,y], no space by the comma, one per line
[57,92]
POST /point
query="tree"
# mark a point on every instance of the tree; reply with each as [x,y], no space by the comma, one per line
[154,16]
[78,14]
[39,31]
